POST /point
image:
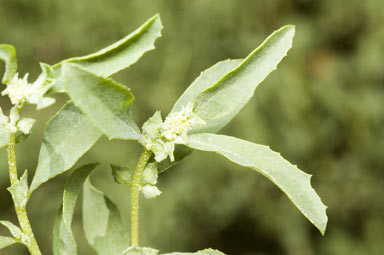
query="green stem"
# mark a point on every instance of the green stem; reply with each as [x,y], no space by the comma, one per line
[21,211]
[135,191]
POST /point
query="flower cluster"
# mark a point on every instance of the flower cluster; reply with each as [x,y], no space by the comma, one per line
[14,123]
[20,91]
[160,137]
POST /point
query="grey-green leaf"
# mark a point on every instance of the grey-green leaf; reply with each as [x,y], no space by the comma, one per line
[203,252]
[206,79]
[119,55]
[15,230]
[63,240]
[218,104]
[292,181]
[68,135]
[19,191]
[8,55]
[122,174]
[6,241]
[4,136]
[104,228]
[105,102]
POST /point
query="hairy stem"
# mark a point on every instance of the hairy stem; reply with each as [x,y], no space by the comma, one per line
[21,211]
[135,191]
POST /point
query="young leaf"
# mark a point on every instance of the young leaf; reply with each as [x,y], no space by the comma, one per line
[4,136]
[104,228]
[203,252]
[68,135]
[292,181]
[63,241]
[8,55]
[6,241]
[119,55]
[206,79]
[104,101]
[19,191]
[122,174]
[218,104]
[16,232]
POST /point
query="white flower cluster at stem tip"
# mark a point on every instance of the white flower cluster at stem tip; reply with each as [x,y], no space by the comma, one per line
[160,137]
[20,91]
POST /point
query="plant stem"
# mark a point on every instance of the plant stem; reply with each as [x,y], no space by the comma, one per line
[135,191]
[21,211]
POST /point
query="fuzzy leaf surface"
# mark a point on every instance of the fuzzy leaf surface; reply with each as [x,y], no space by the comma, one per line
[19,191]
[63,240]
[218,104]
[118,55]
[8,55]
[292,181]
[105,102]
[4,136]
[68,135]
[104,228]
[206,79]
[6,241]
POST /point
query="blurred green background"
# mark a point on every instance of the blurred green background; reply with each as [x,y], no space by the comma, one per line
[323,109]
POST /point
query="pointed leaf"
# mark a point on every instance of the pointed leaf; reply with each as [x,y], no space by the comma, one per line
[119,55]
[16,232]
[220,103]
[63,241]
[204,252]
[206,79]
[122,174]
[292,181]
[136,250]
[68,135]
[104,228]
[8,55]
[105,102]
[6,241]
[19,191]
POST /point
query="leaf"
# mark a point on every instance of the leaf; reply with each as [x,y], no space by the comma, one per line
[120,54]
[8,55]
[4,136]
[104,228]
[136,250]
[210,76]
[292,181]
[19,191]
[218,104]
[122,174]
[104,101]
[203,252]
[6,241]
[63,241]
[68,135]
[16,232]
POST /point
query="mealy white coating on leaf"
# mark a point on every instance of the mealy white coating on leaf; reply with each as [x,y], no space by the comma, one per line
[25,125]
[218,104]
[150,191]
[16,232]
[19,191]
[150,174]
[137,250]
[8,55]
[6,241]
[292,181]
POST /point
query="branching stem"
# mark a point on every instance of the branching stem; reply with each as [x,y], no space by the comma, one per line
[21,211]
[135,191]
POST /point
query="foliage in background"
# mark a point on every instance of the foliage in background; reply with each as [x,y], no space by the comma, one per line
[323,109]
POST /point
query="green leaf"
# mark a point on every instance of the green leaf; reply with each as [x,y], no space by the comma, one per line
[8,55]
[6,241]
[218,104]
[68,135]
[122,174]
[105,102]
[63,241]
[104,228]
[292,181]
[19,191]
[16,232]
[4,136]
[119,55]
[136,250]
[210,76]
[203,252]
